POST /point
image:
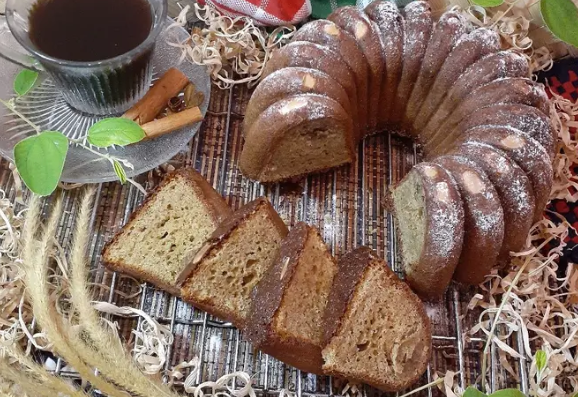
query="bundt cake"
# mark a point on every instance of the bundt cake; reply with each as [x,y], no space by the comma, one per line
[332,37]
[417,32]
[466,52]
[445,83]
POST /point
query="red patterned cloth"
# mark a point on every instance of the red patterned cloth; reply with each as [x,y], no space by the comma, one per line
[265,12]
[563,79]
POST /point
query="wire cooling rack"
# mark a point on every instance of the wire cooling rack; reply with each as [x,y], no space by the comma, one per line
[347,205]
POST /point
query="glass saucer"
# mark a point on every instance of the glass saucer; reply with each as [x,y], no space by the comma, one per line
[46,108]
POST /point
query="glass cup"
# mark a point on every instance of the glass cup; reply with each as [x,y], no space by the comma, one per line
[106,87]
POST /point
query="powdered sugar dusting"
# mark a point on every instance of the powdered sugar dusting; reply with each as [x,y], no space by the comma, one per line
[531,157]
[443,237]
[445,210]
[482,203]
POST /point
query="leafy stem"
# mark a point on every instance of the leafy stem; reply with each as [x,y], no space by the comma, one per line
[10,106]
[40,158]
[106,156]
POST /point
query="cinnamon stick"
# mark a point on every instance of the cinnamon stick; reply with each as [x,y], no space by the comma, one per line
[155,100]
[172,123]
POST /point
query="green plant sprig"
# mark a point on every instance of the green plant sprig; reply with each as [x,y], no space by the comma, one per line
[40,159]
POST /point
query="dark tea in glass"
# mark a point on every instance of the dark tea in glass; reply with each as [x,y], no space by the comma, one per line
[98,52]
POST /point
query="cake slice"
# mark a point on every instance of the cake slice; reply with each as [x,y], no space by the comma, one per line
[296,136]
[390,22]
[514,190]
[376,329]
[289,302]
[176,218]
[332,37]
[220,277]
[366,33]
[446,33]
[430,220]
[418,29]
[483,219]
[500,65]
[469,49]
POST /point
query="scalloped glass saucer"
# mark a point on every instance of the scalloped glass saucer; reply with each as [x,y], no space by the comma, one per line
[46,108]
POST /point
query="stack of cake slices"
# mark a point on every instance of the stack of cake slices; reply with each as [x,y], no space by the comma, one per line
[352,318]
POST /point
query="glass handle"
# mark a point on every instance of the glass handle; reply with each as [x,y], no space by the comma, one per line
[11,50]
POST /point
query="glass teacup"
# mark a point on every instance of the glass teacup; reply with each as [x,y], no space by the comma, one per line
[104,87]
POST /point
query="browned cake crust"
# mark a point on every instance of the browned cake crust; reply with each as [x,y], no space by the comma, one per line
[226,228]
[259,158]
[448,30]
[216,205]
[526,152]
[332,37]
[366,33]
[351,267]
[443,233]
[388,18]
[509,90]
[348,280]
[496,66]
[484,219]
[469,49]
[314,56]
[267,299]
[292,81]
[527,119]
[418,30]
[515,192]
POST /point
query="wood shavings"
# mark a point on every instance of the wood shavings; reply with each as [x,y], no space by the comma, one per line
[234,50]
[152,339]
[352,390]
[513,27]
[176,374]
[564,115]
[222,387]
[536,308]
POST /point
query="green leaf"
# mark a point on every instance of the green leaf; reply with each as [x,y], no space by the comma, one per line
[541,360]
[40,160]
[24,82]
[508,393]
[488,3]
[115,131]
[120,172]
[561,17]
[473,392]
